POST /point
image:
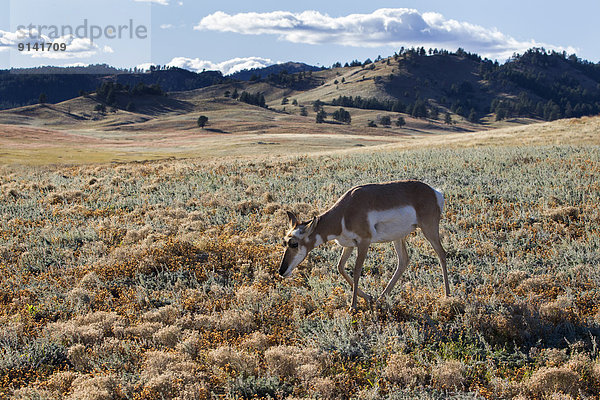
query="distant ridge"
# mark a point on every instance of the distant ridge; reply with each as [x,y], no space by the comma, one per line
[23,87]
[538,84]
[94,69]
[290,67]
[172,79]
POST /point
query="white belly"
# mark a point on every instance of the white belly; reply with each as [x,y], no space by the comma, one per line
[346,242]
[390,225]
[346,238]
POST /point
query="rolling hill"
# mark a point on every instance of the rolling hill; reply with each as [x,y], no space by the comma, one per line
[536,84]
[406,98]
[24,87]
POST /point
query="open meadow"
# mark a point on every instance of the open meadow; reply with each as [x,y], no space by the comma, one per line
[158,279]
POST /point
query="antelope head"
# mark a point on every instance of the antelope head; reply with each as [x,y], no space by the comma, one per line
[297,243]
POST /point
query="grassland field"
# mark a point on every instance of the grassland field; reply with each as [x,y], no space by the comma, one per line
[158,279]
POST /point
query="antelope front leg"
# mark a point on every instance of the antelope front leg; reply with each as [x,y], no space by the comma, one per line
[341,264]
[360,259]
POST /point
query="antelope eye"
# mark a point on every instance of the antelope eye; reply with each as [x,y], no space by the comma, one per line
[293,244]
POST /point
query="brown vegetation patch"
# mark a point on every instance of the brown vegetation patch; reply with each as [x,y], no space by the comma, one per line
[549,380]
[401,369]
[563,214]
[448,375]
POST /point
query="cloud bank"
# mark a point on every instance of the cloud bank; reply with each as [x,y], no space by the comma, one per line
[76,47]
[226,67]
[384,27]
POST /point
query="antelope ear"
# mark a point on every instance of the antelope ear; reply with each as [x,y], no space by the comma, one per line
[293,219]
[311,225]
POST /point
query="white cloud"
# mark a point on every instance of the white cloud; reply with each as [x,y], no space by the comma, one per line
[161,2]
[75,64]
[76,47]
[166,26]
[384,27]
[10,39]
[145,66]
[226,67]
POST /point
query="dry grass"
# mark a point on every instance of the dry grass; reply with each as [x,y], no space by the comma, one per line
[241,131]
[449,375]
[158,280]
[402,369]
[549,381]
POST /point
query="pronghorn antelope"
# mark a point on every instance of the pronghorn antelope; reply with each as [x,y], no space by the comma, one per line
[366,214]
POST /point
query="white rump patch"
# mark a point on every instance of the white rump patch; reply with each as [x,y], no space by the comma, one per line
[392,224]
[440,199]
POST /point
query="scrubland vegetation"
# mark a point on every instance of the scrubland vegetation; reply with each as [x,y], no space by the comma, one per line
[158,281]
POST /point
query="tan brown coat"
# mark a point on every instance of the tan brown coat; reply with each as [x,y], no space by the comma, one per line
[366,214]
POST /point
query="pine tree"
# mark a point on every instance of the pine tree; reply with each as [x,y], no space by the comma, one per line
[473,116]
[111,98]
[202,120]
[419,110]
[342,116]
[321,115]
[317,105]
[448,119]
[130,107]
[500,114]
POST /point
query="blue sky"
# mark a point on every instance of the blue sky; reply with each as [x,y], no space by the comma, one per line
[230,35]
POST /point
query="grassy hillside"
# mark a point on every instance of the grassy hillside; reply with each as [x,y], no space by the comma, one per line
[536,84]
[166,126]
[405,99]
[51,134]
[158,279]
